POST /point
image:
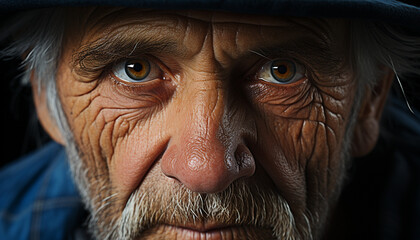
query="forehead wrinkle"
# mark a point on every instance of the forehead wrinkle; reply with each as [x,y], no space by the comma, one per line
[92,20]
[317,27]
[246,39]
[157,28]
[228,17]
[319,30]
[101,15]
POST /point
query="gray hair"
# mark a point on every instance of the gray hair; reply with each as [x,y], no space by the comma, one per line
[37,36]
[377,45]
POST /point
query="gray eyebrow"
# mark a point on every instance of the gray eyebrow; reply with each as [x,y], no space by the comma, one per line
[96,55]
[319,55]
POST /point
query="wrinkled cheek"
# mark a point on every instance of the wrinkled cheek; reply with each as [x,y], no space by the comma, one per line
[133,157]
[321,162]
[272,154]
[303,159]
[116,147]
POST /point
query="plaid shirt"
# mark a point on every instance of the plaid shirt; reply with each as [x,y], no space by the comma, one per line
[39,199]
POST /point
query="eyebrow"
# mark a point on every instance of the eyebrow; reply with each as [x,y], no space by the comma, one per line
[90,59]
[319,55]
[94,56]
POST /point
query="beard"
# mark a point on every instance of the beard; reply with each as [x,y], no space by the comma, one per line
[243,204]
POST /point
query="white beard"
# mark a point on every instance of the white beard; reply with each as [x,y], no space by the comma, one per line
[150,205]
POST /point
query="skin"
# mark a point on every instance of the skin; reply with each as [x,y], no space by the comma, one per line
[207,121]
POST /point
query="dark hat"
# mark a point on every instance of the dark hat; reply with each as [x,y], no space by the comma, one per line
[404,13]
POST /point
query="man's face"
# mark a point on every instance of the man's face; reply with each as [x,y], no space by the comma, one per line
[208,124]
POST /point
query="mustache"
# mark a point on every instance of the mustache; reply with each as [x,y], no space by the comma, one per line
[241,204]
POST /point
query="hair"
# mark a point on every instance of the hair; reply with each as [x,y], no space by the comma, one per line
[37,36]
[377,45]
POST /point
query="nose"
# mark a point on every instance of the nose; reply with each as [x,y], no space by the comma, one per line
[208,151]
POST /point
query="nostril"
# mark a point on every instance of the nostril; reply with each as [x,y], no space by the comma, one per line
[208,171]
[244,160]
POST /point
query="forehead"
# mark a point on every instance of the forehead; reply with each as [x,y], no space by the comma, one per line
[188,29]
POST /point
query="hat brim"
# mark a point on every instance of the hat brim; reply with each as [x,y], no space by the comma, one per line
[390,11]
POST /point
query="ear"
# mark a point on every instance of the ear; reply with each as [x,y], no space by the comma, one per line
[366,131]
[44,116]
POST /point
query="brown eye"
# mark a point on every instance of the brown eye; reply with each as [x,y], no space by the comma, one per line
[137,69]
[281,71]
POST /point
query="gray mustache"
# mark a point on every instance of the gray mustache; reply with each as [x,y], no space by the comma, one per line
[240,204]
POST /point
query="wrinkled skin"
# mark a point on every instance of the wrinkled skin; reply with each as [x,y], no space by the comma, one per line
[206,120]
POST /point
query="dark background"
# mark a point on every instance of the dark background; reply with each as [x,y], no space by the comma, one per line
[22,132]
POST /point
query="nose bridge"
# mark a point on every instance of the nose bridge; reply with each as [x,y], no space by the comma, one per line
[206,92]
[202,154]
[205,109]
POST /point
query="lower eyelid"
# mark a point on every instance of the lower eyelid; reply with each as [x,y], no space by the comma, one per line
[288,85]
[124,83]
[132,90]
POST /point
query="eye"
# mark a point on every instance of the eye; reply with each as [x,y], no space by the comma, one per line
[136,71]
[281,71]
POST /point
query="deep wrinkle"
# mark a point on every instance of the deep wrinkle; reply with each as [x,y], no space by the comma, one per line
[115,44]
[94,58]
[208,71]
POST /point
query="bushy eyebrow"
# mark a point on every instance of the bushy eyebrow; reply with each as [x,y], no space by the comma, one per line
[94,56]
[320,56]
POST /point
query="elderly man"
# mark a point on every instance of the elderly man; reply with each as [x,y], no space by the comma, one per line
[202,122]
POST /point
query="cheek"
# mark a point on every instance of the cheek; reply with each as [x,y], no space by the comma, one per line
[300,133]
[135,154]
[115,129]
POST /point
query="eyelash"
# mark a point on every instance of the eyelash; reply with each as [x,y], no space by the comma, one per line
[106,71]
[251,74]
